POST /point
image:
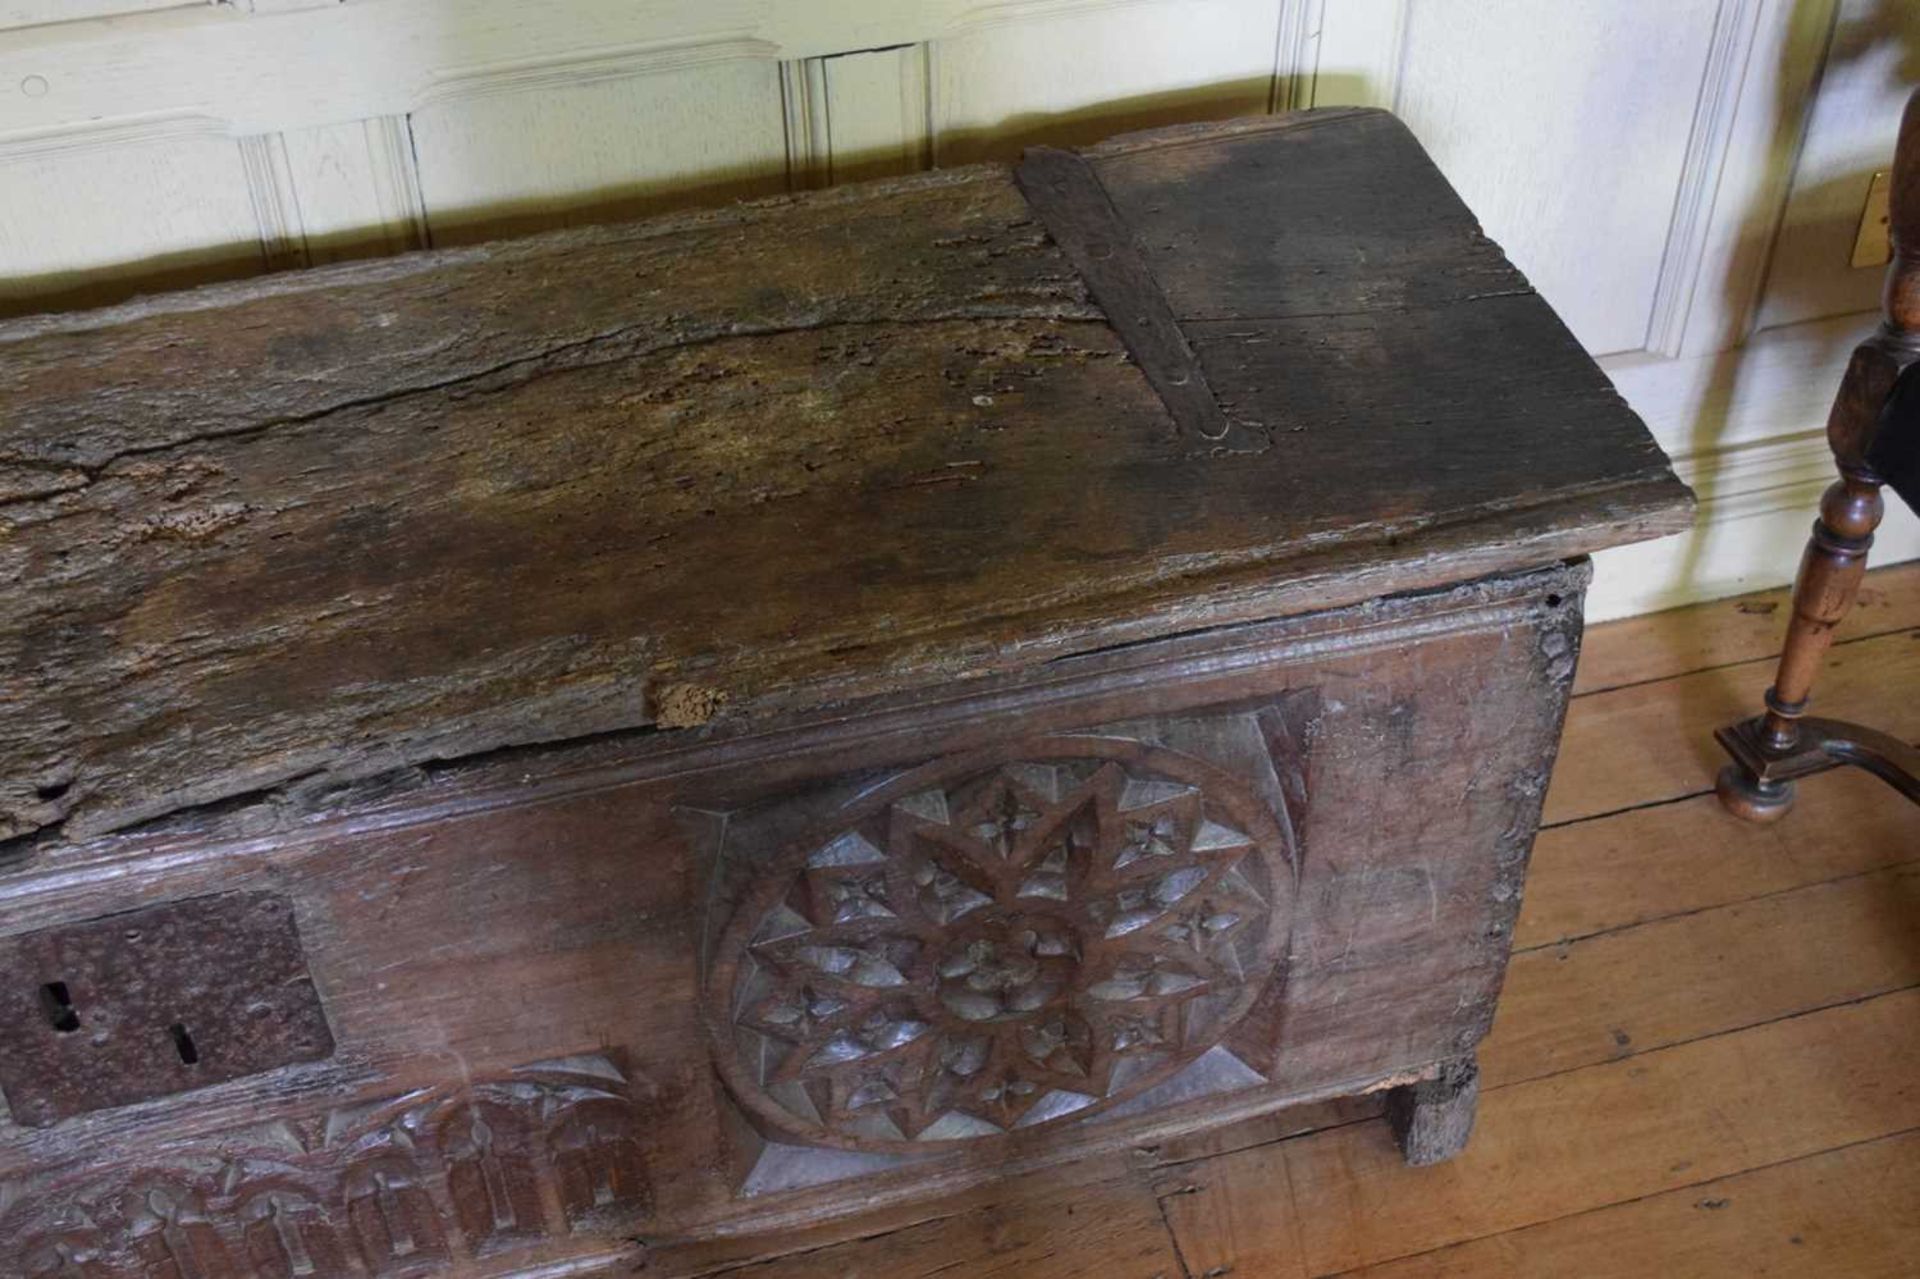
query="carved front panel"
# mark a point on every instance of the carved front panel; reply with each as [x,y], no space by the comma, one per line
[408,1185]
[999,941]
[918,955]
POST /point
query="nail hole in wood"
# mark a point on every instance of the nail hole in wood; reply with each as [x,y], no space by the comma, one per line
[183,1044]
[58,1003]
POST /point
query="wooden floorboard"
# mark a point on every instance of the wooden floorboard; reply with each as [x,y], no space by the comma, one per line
[1685,978]
[1742,629]
[1671,859]
[1565,1144]
[983,1231]
[1110,1228]
[1650,743]
[1841,1214]
[1704,1062]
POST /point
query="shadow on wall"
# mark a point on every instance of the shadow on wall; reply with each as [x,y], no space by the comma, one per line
[717,187]
[78,290]
[1889,25]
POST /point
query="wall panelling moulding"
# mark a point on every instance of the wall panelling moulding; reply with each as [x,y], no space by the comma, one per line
[540,142]
[34,13]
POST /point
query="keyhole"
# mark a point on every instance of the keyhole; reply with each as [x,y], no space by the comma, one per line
[183,1044]
[59,1007]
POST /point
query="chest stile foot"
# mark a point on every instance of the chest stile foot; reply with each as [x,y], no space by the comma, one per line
[1431,1120]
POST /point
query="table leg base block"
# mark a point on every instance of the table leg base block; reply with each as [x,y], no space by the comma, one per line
[1431,1120]
[1758,785]
[1749,798]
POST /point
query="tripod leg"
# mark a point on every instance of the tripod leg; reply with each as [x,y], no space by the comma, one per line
[1829,578]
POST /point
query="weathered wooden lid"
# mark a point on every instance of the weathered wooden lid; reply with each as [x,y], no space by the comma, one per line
[771,458]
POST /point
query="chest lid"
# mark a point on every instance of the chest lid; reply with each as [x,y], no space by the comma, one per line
[771,458]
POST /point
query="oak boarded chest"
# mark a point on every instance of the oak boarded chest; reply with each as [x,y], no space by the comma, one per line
[525,759]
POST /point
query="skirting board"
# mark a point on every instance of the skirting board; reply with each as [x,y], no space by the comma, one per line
[1746,429]
[1757,504]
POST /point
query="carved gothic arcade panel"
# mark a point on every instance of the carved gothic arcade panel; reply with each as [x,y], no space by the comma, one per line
[404,1186]
[1009,939]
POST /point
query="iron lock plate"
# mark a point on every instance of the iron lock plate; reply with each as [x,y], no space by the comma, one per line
[152,1002]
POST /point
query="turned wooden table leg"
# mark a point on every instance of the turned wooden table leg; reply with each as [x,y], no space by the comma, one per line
[1431,1120]
[1770,751]
[1829,579]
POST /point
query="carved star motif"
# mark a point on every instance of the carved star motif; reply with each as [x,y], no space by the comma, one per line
[984,954]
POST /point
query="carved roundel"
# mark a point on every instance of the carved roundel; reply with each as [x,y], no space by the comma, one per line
[991,943]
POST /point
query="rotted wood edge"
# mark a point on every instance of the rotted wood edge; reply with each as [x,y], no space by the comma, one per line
[1397,560]
[1077,212]
[860,732]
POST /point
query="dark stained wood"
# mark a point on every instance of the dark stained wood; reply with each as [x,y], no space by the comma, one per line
[1103,1204]
[1079,217]
[1327,213]
[1871,417]
[1369,376]
[320,526]
[515,1163]
[1818,745]
[772,715]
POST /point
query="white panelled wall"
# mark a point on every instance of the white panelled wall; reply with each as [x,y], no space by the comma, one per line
[1683,179]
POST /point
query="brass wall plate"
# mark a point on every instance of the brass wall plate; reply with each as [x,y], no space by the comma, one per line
[152,1002]
[1871,245]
